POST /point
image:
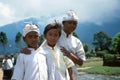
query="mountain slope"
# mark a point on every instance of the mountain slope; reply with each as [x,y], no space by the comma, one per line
[85,31]
[12,29]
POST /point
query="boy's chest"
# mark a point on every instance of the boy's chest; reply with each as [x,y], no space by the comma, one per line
[35,59]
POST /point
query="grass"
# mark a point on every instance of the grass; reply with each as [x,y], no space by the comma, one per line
[96,67]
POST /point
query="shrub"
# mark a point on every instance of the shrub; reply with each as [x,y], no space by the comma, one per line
[109,56]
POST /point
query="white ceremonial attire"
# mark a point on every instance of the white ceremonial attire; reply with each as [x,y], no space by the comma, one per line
[61,62]
[73,45]
[53,72]
[31,67]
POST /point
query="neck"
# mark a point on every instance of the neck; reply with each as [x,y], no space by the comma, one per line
[33,47]
[67,33]
[52,46]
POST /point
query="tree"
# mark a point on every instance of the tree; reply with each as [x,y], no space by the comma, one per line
[18,39]
[86,47]
[116,43]
[3,39]
[74,34]
[41,40]
[102,41]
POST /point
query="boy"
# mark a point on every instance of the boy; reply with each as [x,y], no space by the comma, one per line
[71,46]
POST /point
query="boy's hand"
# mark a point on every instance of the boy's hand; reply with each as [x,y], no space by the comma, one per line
[65,52]
[25,51]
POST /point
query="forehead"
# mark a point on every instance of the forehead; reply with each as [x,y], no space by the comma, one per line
[32,33]
[71,21]
[53,30]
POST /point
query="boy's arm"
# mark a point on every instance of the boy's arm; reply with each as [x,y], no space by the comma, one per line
[72,56]
[71,73]
[69,64]
[18,72]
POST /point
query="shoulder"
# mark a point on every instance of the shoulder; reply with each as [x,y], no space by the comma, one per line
[41,51]
[21,56]
[75,38]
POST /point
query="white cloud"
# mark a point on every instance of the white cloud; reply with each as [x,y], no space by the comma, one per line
[96,11]
[6,13]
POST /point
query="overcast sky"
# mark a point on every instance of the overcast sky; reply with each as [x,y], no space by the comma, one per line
[96,11]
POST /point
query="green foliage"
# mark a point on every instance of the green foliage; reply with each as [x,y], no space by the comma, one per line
[89,55]
[74,34]
[96,67]
[16,55]
[104,70]
[18,39]
[101,40]
[101,53]
[116,43]
[3,38]
[41,40]
[86,47]
[109,56]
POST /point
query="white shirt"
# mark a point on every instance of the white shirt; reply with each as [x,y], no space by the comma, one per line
[62,62]
[53,72]
[73,45]
[7,64]
[31,67]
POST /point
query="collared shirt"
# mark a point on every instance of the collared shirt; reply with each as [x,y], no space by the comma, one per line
[62,62]
[73,45]
[31,67]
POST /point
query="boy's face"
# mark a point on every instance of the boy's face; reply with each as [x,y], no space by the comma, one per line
[69,26]
[52,37]
[32,39]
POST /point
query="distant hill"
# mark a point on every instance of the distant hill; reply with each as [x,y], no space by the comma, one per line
[12,29]
[85,31]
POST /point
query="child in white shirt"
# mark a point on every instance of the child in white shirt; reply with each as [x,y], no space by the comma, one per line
[52,33]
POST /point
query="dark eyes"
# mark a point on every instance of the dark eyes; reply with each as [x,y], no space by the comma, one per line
[54,35]
[35,36]
[71,22]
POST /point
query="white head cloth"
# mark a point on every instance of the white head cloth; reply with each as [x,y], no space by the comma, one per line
[70,15]
[30,27]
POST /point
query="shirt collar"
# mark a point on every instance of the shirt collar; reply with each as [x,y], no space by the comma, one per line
[52,48]
[63,33]
[46,45]
[32,49]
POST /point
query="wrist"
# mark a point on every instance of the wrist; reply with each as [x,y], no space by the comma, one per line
[70,54]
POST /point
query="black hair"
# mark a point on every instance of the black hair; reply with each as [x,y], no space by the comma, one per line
[53,26]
